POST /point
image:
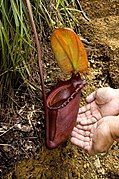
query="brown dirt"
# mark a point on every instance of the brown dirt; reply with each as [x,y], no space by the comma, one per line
[68,161]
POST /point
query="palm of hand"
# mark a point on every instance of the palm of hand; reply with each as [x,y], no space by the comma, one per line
[92,132]
[93,138]
[101,103]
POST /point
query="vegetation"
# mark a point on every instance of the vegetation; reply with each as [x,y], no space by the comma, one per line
[16,40]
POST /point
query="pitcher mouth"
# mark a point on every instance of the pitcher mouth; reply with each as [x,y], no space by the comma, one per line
[61,96]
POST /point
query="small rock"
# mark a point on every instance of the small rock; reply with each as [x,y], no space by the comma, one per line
[85,166]
[102,171]
[24,128]
[97,163]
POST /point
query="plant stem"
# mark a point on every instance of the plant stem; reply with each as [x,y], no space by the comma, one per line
[39,55]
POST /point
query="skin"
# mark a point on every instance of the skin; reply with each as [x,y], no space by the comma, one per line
[97,122]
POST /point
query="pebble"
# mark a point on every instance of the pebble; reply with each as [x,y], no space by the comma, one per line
[97,163]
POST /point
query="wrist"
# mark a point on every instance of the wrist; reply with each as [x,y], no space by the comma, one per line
[114,127]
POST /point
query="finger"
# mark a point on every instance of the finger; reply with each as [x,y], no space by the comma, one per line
[82,132]
[80,137]
[91,97]
[82,121]
[88,146]
[81,117]
[88,121]
[85,127]
[79,120]
[84,108]
[77,142]
[103,95]
[77,130]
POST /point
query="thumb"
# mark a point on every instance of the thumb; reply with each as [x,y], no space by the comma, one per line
[91,97]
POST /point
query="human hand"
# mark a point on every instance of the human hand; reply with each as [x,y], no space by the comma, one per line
[97,137]
[102,102]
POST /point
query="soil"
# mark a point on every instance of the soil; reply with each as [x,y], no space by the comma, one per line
[101,33]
